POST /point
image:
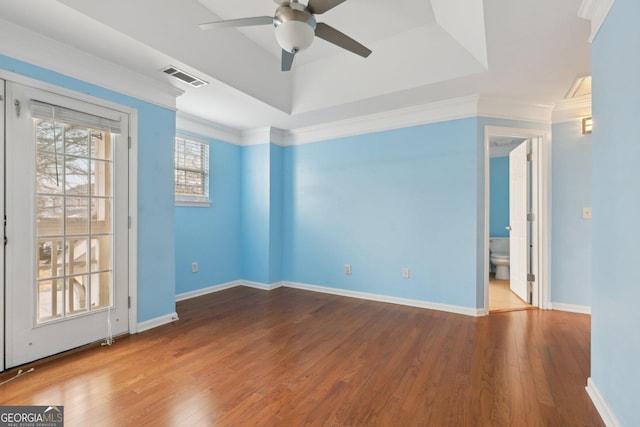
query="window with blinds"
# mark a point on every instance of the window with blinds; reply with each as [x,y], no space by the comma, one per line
[191,172]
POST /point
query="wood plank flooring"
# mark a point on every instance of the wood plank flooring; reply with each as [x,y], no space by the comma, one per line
[245,357]
[502,298]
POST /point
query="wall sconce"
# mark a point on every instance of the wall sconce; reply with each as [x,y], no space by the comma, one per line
[587,125]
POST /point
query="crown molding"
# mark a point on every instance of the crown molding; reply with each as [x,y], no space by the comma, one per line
[572,109]
[35,49]
[596,11]
[440,111]
[452,109]
[279,136]
[196,125]
[256,136]
[508,109]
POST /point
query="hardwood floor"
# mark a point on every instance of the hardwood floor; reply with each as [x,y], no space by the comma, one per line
[244,357]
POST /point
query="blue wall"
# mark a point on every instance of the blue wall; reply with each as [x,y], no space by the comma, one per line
[499,196]
[255,212]
[276,156]
[615,323]
[156,130]
[211,235]
[571,191]
[383,202]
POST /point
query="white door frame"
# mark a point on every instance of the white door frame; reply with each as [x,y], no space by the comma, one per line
[133,183]
[2,120]
[540,198]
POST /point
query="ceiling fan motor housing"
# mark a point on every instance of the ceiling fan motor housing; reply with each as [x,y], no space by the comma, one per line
[295,27]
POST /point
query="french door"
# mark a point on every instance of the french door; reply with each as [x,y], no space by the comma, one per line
[66,216]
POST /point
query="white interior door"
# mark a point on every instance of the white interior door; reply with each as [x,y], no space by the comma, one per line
[66,223]
[518,207]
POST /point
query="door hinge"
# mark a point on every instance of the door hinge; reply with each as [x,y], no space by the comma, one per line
[531,216]
[18,106]
[129,221]
[530,157]
[129,301]
[531,277]
[1,98]
[129,139]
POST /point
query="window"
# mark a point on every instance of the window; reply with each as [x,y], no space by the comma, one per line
[191,172]
[74,195]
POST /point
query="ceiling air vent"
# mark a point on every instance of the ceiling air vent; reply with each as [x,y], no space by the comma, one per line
[184,77]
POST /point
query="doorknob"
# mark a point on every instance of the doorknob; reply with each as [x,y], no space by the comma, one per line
[508,228]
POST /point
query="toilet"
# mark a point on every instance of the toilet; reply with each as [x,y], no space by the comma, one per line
[499,256]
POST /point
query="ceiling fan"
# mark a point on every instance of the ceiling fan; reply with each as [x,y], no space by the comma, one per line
[295,28]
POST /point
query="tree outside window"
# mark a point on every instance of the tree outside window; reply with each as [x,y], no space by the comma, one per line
[191,172]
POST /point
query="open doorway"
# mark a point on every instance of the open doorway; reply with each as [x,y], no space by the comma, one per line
[516,244]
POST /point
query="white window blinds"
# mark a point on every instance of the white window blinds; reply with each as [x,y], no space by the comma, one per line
[42,110]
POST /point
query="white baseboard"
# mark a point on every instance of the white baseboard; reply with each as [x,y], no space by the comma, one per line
[208,290]
[158,321]
[388,299]
[581,309]
[467,311]
[262,286]
[601,405]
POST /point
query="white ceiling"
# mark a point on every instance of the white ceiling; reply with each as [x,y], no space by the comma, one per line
[528,51]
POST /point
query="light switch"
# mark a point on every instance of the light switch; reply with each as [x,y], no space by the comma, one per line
[586,213]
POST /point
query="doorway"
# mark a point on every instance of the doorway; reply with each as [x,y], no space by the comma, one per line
[531,257]
[66,209]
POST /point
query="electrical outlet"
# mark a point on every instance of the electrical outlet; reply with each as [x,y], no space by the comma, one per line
[347,269]
[405,273]
[194,267]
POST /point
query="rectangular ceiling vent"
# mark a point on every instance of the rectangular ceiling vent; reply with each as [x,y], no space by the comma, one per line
[184,77]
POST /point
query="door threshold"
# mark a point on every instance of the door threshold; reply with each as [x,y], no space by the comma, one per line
[506,310]
[10,372]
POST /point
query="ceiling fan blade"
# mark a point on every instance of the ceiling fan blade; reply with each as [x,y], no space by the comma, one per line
[287,60]
[330,34]
[242,22]
[321,6]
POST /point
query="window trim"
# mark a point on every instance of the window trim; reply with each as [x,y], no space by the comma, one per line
[190,200]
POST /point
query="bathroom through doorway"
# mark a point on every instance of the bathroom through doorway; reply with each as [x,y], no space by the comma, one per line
[516,219]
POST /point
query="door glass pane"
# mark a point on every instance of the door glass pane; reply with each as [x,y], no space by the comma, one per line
[77,175]
[76,141]
[77,215]
[100,290]
[73,221]
[100,178]
[100,215]
[49,172]
[76,256]
[49,218]
[100,253]
[76,294]
[49,136]
[100,146]
[49,257]
[49,297]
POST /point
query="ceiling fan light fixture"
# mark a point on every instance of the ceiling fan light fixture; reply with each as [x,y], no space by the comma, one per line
[295,27]
[294,36]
